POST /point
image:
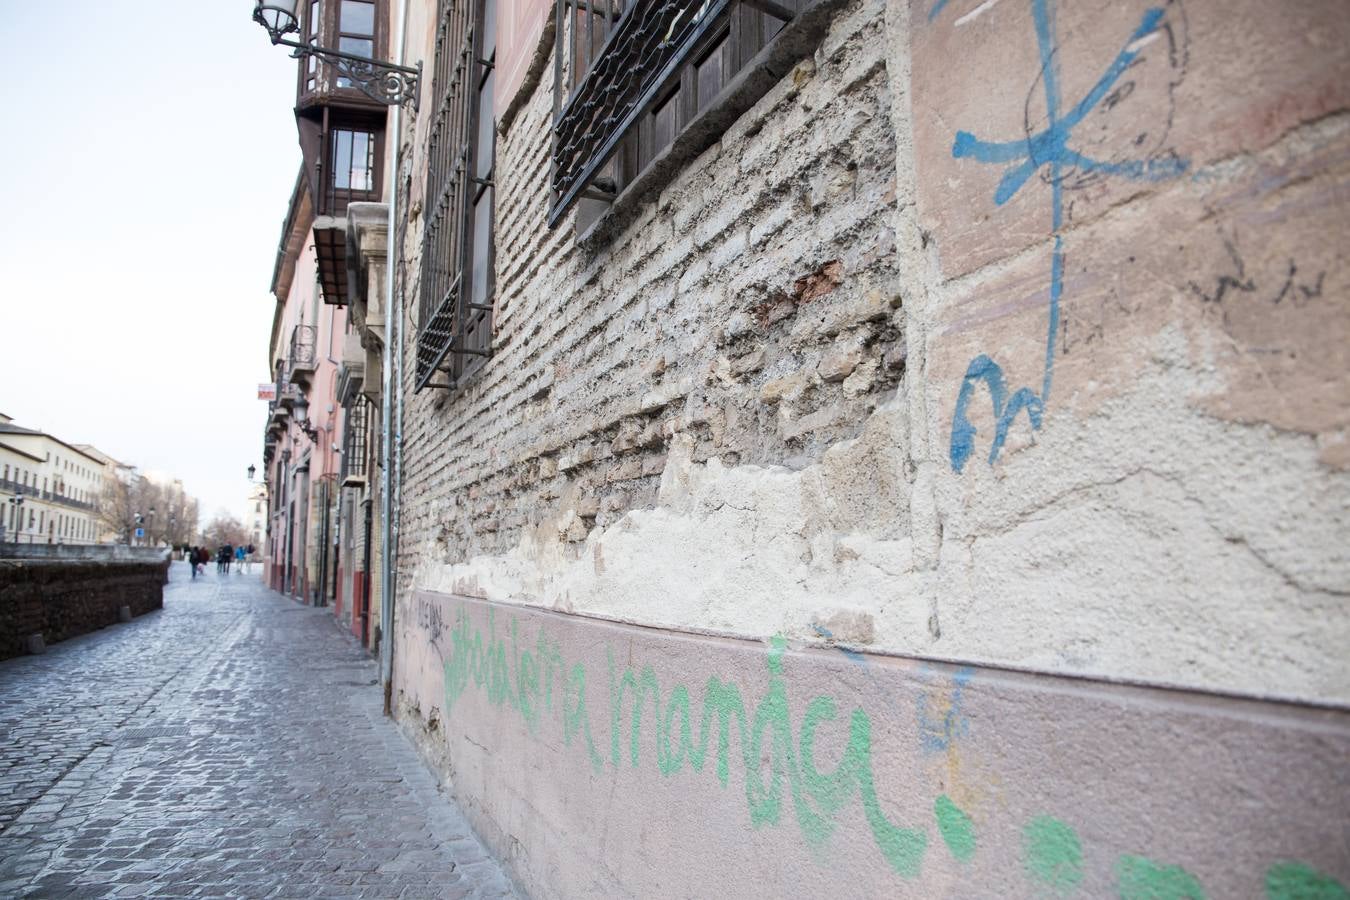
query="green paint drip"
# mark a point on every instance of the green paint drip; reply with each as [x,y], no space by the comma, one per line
[956,828]
[1140,878]
[1296,881]
[1053,856]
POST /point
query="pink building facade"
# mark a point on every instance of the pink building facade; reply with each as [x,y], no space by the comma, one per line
[304,429]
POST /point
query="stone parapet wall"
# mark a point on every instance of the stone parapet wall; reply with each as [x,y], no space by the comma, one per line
[62,599]
[82,552]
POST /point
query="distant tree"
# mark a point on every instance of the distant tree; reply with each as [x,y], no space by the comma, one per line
[123,498]
[130,495]
[175,519]
[224,529]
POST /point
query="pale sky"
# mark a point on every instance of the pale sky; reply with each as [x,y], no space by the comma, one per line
[149,152]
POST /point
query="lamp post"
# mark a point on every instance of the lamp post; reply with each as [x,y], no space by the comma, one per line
[16,515]
[383,82]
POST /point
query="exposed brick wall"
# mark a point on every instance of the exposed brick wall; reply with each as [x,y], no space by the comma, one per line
[62,599]
[745,305]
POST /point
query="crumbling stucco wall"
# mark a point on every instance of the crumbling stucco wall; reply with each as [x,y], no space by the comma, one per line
[1005,333]
[770,403]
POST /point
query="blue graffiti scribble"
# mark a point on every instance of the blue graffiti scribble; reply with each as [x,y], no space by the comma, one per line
[936,735]
[1049,148]
[938,7]
[853,656]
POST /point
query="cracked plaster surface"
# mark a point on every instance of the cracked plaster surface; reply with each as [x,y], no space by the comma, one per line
[1140,536]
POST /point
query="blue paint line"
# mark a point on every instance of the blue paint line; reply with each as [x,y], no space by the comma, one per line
[937,9]
[1049,148]
[937,735]
[853,655]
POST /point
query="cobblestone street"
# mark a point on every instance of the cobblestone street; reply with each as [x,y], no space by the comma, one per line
[231,745]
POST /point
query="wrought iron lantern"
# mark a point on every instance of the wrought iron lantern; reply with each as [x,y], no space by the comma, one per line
[278,17]
[302,418]
[383,82]
[251,470]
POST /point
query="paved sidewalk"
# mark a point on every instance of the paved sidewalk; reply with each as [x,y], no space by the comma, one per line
[231,745]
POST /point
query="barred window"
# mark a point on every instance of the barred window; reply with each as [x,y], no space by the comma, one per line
[355,438]
[630,77]
[457,253]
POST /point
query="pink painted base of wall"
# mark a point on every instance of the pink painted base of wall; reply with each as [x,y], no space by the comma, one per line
[602,759]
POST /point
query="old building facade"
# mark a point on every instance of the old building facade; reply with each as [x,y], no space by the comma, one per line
[49,489]
[318,539]
[895,443]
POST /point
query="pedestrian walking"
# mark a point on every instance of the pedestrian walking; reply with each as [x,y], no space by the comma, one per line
[248,560]
[191,557]
[200,560]
[239,555]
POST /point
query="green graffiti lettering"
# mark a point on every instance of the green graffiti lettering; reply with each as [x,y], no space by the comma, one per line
[829,792]
[1139,878]
[1053,856]
[722,700]
[957,831]
[641,688]
[526,680]
[575,716]
[902,847]
[768,751]
[1296,881]
[670,762]
[765,801]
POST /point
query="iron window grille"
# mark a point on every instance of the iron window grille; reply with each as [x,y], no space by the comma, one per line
[455,313]
[355,439]
[629,78]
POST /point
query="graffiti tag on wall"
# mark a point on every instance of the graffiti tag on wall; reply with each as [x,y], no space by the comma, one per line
[1054,151]
[662,729]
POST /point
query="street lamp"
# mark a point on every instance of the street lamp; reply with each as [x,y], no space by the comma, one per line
[383,82]
[16,515]
[302,418]
[251,470]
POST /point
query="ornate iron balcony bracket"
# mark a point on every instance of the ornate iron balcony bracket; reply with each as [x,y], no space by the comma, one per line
[383,82]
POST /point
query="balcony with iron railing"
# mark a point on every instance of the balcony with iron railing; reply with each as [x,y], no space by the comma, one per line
[287,395]
[352,368]
[57,497]
[15,487]
[302,358]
